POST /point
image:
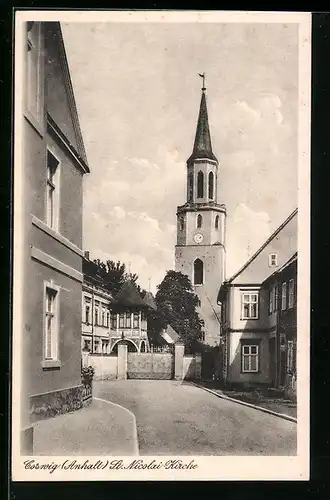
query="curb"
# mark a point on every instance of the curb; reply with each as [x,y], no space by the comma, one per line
[255,407]
[135,434]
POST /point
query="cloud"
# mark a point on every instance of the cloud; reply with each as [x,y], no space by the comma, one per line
[249,230]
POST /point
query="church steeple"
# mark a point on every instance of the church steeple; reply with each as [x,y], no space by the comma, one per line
[202,145]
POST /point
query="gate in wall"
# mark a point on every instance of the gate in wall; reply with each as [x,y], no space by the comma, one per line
[151,365]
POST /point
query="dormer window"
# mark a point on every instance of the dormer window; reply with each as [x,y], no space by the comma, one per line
[272,260]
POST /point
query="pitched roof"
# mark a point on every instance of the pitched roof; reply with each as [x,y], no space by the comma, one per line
[150,301]
[272,236]
[292,259]
[55,27]
[129,295]
[202,144]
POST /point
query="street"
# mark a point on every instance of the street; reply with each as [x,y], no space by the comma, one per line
[175,418]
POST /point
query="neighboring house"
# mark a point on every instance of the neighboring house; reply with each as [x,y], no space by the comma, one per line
[95,330]
[129,314]
[53,165]
[247,326]
[281,289]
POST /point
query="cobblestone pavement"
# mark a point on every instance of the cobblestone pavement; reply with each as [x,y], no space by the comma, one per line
[176,418]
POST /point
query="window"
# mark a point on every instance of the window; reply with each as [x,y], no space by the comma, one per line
[136,320]
[250,358]
[250,305]
[216,223]
[107,319]
[272,260]
[34,80]
[87,345]
[191,186]
[113,321]
[276,298]
[272,300]
[96,315]
[128,320]
[52,191]
[283,306]
[121,320]
[105,345]
[103,323]
[87,312]
[181,222]
[51,323]
[200,185]
[198,272]
[96,345]
[199,221]
[211,185]
[291,357]
[291,294]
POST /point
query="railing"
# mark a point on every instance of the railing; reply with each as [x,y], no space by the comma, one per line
[162,348]
[86,393]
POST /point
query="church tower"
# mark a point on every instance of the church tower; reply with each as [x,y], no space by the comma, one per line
[200,250]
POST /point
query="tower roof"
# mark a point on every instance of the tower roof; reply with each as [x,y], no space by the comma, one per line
[149,300]
[202,144]
[129,296]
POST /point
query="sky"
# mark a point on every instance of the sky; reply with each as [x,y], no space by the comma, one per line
[138,92]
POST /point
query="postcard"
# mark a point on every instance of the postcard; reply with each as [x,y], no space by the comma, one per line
[161,245]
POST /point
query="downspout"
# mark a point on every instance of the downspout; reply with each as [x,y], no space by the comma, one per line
[92,319]
[277,337]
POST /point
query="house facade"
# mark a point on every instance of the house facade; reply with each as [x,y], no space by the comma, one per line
[247,326]
[96,307]
[129,319]
[281,289]
[109,319]
[53,165]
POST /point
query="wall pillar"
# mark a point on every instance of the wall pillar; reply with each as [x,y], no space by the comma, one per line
[178,361]
[122,362]
[198,366]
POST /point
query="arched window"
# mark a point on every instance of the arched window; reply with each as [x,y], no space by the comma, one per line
[199,221]
[200,185]
[216,223]
[198,272]
[211,185]
[143,346]
[190,186]
[181,223]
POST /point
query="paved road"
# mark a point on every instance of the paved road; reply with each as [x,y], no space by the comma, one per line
[176,418]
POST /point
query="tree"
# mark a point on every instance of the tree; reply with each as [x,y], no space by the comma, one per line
[114,275]
[176,305]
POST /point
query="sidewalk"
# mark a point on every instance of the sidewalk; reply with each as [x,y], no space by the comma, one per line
[103,428]
[276,404]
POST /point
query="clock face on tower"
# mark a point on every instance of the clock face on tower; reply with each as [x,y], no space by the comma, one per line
[198,238]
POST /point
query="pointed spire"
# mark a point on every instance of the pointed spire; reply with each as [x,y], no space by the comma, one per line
[203,145]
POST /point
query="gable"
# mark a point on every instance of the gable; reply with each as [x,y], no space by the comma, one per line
[60,101]
[283,243]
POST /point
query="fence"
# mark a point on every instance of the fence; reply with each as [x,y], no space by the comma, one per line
[154,365]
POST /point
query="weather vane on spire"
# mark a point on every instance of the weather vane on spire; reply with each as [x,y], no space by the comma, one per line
[203,76]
